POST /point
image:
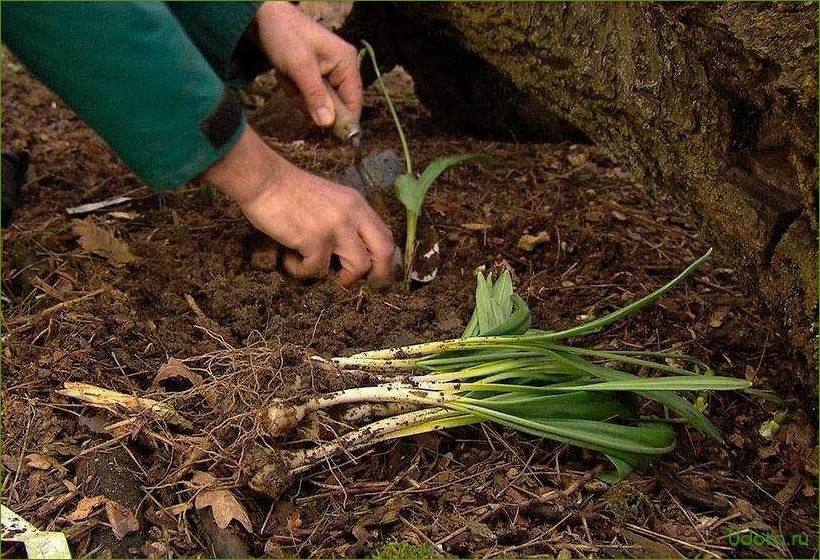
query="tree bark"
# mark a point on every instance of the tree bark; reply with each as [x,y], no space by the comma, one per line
[714,103]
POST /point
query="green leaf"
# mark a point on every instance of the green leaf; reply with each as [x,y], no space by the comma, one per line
[487,357]
[672,383]
[442,164]
[472,327]
[666,398]
[498,309]
[518,323]
[411,191]
[447,419]
[484,308]
[765,395]
[676,383]
[622,470]
[630,358]
[503,292]
[578,405]
[645,439]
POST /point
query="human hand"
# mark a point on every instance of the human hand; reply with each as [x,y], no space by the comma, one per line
[303,52]
[313,217]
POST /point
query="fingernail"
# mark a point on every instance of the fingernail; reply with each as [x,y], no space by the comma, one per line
[324,117]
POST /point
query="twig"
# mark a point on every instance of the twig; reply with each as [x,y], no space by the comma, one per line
[54,308]
[699,548]
[23,448]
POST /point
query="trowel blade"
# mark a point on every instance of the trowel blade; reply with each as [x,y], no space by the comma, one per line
[381,168]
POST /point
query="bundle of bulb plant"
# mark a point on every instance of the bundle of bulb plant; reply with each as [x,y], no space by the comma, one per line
[501,370]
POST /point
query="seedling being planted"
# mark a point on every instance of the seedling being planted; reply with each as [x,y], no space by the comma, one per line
[411,189]
[503,371]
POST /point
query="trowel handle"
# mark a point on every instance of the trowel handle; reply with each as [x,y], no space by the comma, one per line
[346,125]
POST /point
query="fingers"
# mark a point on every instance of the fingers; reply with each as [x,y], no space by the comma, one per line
[379,241]
[347,80]
[364,251]
[308,79]
[353,256]
[304,51]
[315,265]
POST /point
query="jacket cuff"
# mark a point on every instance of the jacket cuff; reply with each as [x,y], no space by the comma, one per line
[219,131]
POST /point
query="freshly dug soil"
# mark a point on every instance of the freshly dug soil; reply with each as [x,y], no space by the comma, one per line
[199,291]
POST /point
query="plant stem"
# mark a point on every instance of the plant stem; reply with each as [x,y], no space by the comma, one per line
[376,363]
[304,460]
[284,416]
[375,411]
[407,159]
[410,246]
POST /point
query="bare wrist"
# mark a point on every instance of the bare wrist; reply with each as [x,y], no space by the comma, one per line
[249,168]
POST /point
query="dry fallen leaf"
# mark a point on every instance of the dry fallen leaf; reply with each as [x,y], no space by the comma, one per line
[717,318]
[43,462]
[124,215]
[476,226]
[810,461]
[651,548]
[175,368]
[155,549]
[100,241]
[577,158]
[294,520]
[768,451]
[788,491]
[529,242]
[123,521]
[85,508]
[223,504]
[94,423]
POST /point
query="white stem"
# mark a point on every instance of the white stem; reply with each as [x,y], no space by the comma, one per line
[373,411]
[425,348]
[304,460]
[284,416]
[389,364]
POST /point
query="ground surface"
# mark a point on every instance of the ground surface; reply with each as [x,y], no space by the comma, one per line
[196,292]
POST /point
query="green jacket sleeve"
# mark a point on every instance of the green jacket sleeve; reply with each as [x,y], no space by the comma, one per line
[131,71]
[218,29]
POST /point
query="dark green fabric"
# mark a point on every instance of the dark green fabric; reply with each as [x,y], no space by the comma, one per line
[217,28]
[135,74]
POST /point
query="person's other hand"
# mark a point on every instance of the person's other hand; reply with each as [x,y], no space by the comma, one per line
[303,52]
[313,217]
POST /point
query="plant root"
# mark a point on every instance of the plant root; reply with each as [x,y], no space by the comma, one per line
[106,398]
[282,417]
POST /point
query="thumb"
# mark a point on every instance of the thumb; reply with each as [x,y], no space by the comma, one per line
[308,80]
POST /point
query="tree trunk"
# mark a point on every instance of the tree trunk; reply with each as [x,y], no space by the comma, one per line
[716,103]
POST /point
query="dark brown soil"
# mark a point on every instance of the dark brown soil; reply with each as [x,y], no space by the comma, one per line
[197,294]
